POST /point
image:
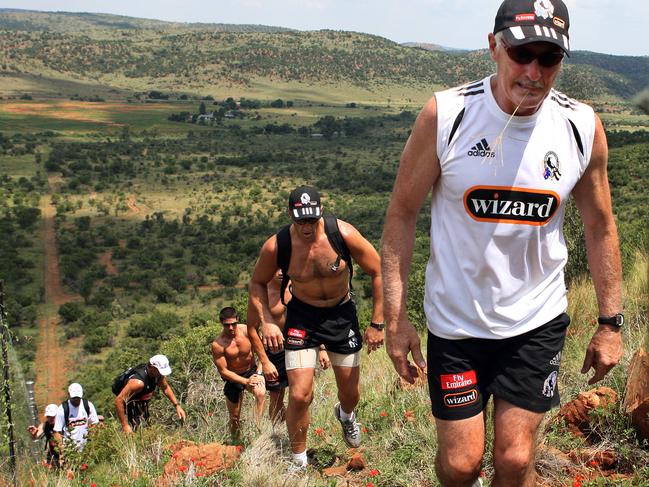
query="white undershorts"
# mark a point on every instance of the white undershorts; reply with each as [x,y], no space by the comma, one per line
[307,358]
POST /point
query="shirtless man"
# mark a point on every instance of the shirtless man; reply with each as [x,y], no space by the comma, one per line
[233,357]
[320,312]
[277,310]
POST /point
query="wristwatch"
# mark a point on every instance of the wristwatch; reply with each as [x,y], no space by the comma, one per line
[378,326]
[615,320]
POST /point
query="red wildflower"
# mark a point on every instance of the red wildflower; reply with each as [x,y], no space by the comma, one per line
[482,474]
[319,431]
[182,468]
[210,413]
[84,466]
[94,484]
[369,484]
[364,429]
[70,475]
[239,448]
[383,414]
[594,463]
[200,475]
[374,472]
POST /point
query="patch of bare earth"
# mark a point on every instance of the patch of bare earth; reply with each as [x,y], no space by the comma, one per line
[131,202]
[53,360]
[106,260]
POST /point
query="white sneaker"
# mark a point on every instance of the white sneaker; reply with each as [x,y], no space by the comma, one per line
[351,429]
[296,469]
[477,483]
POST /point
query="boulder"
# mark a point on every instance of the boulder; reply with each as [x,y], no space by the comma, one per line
[197,461]
[636,399]
[576,413]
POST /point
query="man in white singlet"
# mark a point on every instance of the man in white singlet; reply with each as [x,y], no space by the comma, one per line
[501,156]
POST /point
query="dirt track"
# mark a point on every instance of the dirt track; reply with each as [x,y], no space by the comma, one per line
[52,359]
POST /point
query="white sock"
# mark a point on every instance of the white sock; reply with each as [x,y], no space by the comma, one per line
[300,459]
[346,416]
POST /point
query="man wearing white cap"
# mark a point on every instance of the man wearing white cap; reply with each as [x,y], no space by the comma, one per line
[73,417]
[46,430]
[136,387]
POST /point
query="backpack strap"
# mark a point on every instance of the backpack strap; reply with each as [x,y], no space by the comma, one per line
[66,412]
[284,257]
[338,243]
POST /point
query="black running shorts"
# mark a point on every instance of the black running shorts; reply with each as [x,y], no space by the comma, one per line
[233,390]
[280,364]
[522,370]
[309,326]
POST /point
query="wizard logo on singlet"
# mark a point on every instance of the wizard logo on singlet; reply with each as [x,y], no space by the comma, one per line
[524,206]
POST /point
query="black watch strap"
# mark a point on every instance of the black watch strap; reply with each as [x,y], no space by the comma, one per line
[615,320]
[378,326]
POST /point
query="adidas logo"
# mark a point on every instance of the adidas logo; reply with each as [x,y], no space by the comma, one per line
[556,360]
[351,334]
[481,149]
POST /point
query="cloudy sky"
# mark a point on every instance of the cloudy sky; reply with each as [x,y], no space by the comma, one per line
[608,26]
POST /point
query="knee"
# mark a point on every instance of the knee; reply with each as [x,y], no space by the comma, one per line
[301,397]
[513,462]
[454,469]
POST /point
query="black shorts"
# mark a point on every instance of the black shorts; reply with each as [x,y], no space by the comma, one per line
[309,326]
[280,364]
[233,390]
[137,413]
[522,370]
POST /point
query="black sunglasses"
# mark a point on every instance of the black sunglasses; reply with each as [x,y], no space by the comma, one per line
[523,55]
[306,221]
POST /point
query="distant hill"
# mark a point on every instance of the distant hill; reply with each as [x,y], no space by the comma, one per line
[139,54]
[32,20]
[432,47]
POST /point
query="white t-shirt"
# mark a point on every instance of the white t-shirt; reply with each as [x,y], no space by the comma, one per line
[79,420]
[497,245]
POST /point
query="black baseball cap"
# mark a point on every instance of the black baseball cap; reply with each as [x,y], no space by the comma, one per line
[524,21]
[304,202]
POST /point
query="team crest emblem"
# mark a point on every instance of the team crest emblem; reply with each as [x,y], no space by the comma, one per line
[305,199]
[550,384]
[551,166]
[544,9]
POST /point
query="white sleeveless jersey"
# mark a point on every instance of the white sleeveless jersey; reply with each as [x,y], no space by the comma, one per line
[497,250]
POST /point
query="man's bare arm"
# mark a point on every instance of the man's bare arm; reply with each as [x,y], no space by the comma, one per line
[218,357]
[168,391]
[418,170]
[258,307]
[132,387]
[593,199]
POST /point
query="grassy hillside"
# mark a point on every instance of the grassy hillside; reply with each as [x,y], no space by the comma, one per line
[136,54]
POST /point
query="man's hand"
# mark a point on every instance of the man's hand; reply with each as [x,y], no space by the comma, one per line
[255,380]
[373,338]
[181,413]
[273,339]
[323,358]
[403,339]
[270,372]
[32,430]
[603,353]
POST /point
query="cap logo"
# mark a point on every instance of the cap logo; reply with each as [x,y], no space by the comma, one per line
[559,22]
[305,198]
[525,18]
[544,9]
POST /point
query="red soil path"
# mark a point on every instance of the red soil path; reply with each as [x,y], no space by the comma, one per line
[52,359]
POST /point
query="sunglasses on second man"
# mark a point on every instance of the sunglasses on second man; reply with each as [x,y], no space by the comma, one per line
[525,55]
[306,221]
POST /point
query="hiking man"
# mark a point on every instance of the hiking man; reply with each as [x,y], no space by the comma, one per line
[73,419]
[235,362]
[277,310]
[320,312]
[135,388]
[495,297]
[46,430]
